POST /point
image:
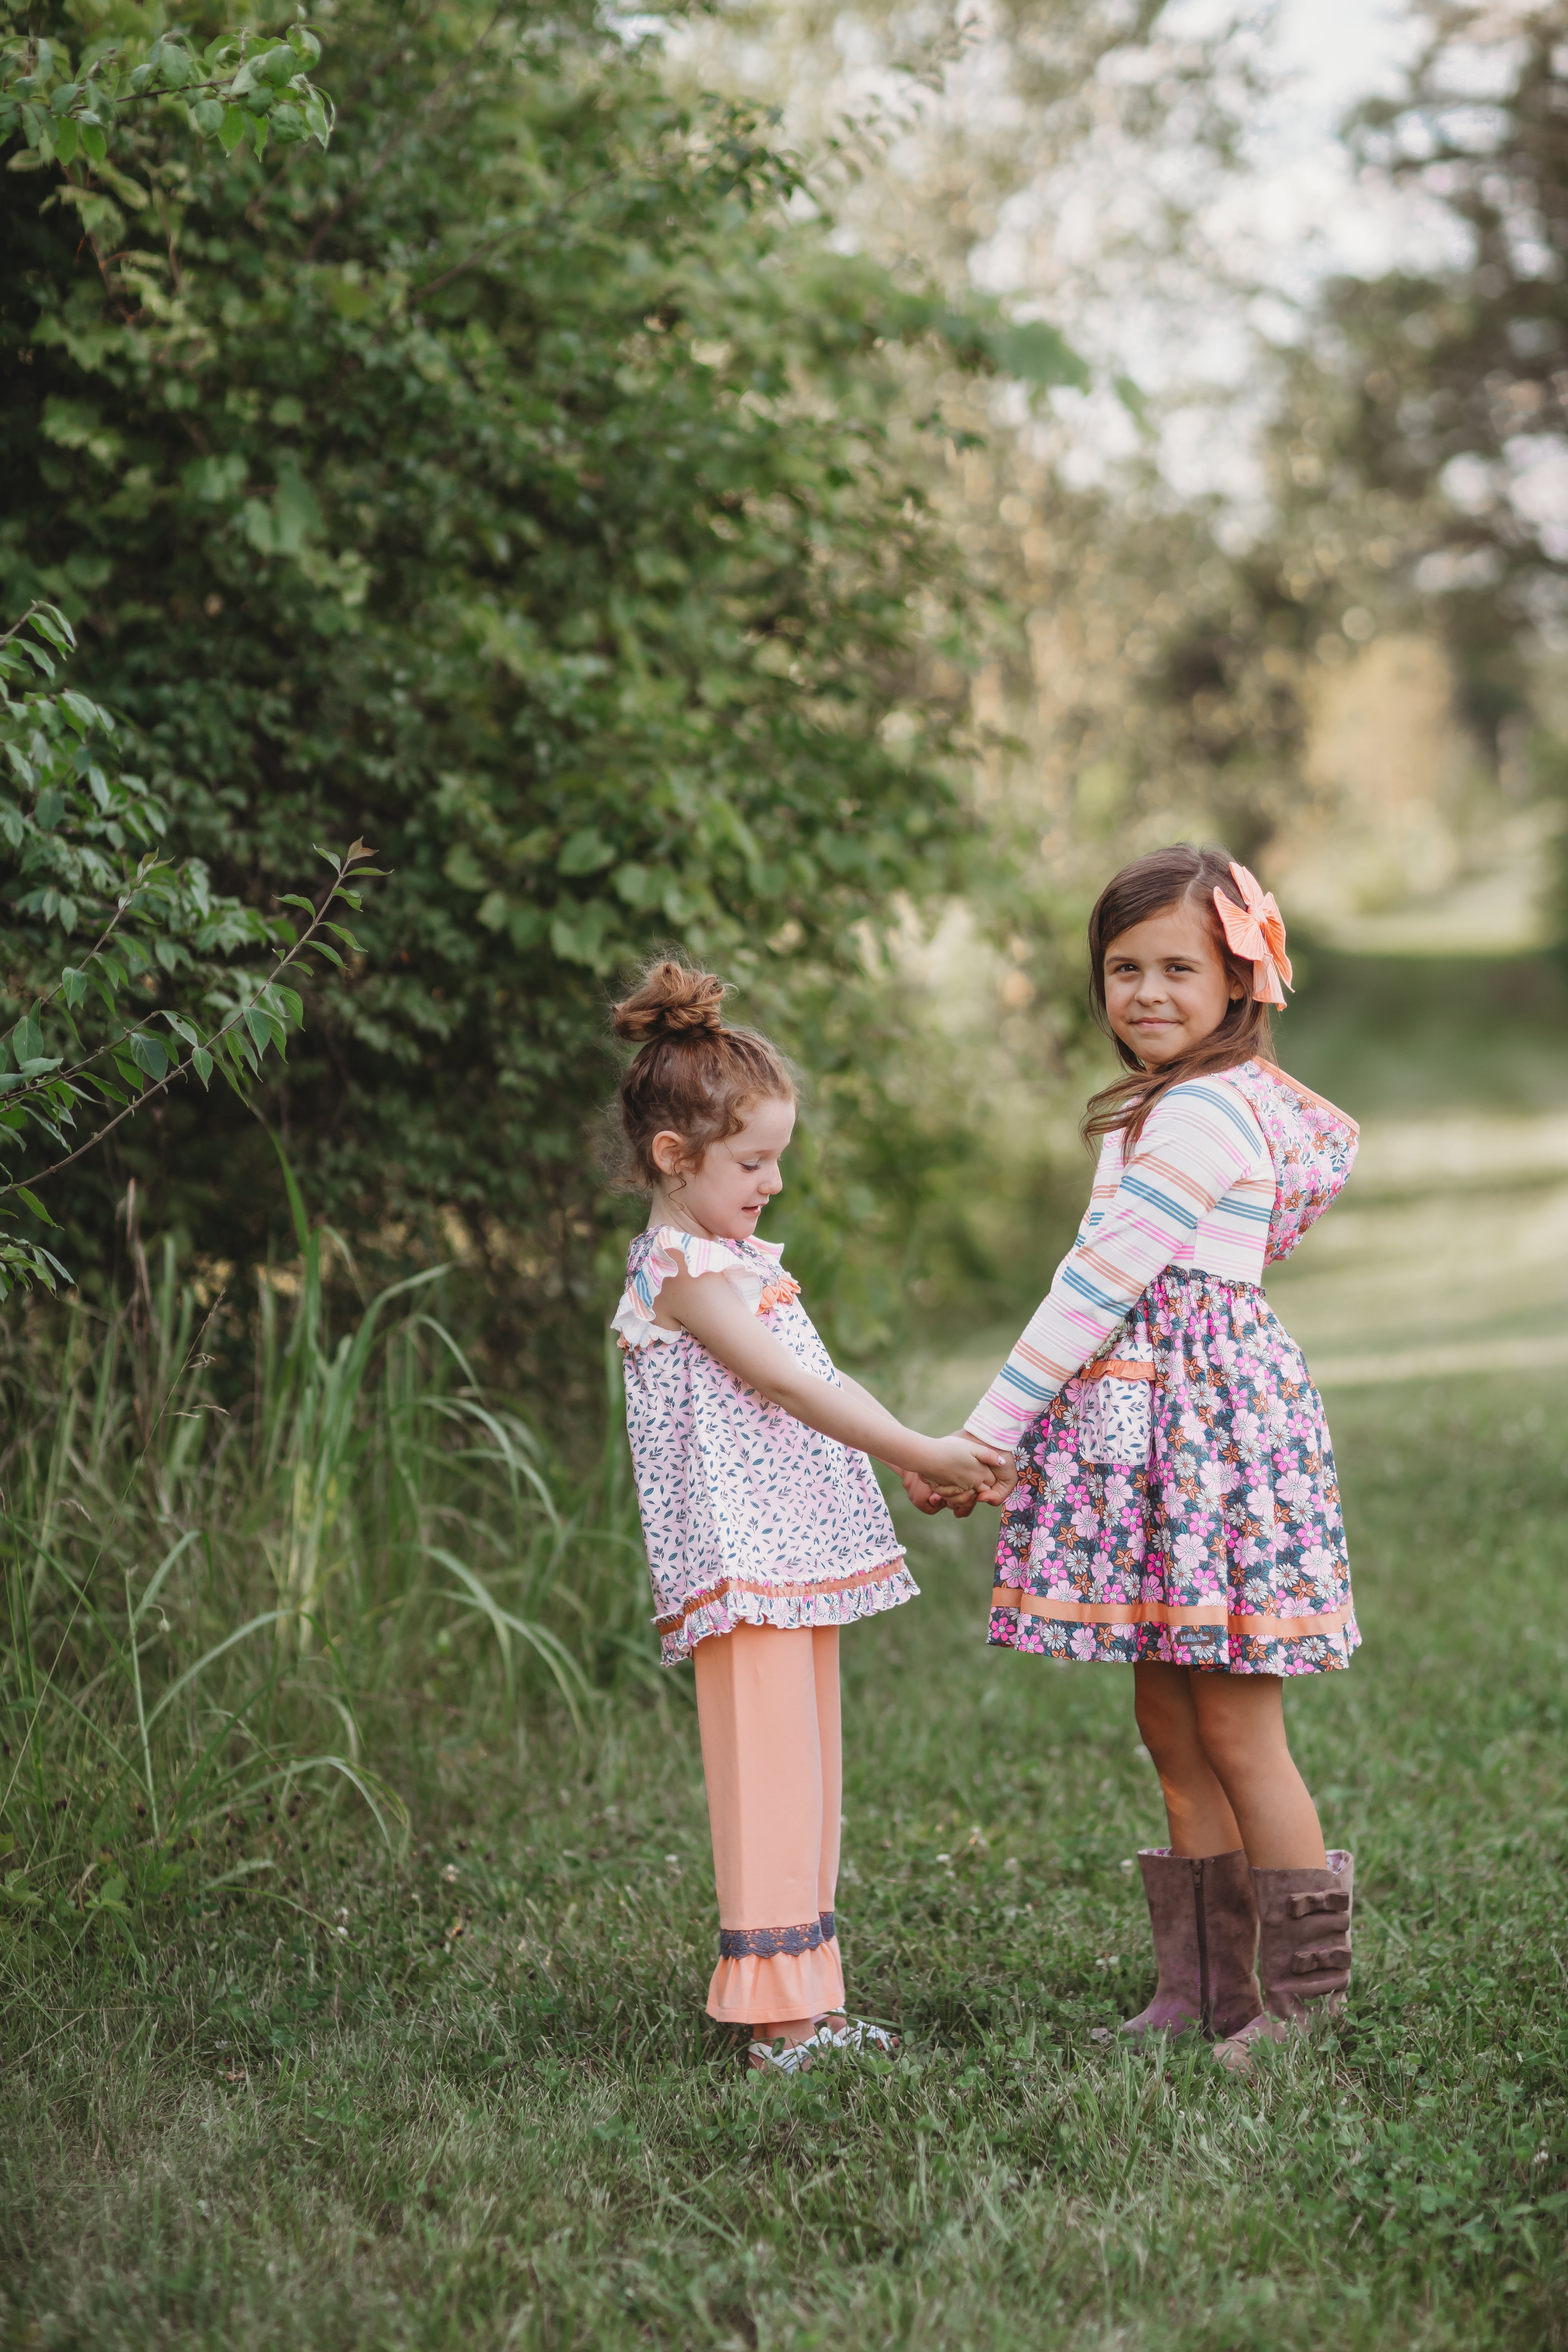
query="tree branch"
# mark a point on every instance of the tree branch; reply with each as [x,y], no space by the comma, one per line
[182,1069]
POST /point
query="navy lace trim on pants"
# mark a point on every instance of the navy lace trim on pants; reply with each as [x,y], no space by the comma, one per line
[769,1943]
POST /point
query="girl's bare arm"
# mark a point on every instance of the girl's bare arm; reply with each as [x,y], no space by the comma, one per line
[707,1305]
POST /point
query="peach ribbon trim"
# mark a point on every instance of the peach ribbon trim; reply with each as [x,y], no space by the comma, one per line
[855,1583]
[754,1989]
[1116,1368]
[1163,1613]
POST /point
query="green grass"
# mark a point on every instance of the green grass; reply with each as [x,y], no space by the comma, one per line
[470,2099]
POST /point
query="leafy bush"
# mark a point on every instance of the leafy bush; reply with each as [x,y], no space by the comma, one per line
[83,835]
[517,484]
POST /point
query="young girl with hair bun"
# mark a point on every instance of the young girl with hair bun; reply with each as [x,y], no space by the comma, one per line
[766,1530]
[1177,1508]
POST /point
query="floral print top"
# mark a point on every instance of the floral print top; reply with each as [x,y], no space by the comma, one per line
[750,1518]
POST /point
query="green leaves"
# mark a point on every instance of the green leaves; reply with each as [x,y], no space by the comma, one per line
[148,1054]
[240,84]
[1036,353]
[585,852]
[154,924]
[545,506]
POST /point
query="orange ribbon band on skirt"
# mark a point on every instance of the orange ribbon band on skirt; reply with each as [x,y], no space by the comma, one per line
[1164,1612]
[1117,1368]
[727,1584]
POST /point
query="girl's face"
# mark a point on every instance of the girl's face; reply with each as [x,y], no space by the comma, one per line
[1166,987]
[727,1192]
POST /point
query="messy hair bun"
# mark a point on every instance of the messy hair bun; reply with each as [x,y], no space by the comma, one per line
[670,1001]
[691,1075]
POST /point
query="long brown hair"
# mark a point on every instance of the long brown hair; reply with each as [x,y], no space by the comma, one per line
[692,1077]
[1179,875]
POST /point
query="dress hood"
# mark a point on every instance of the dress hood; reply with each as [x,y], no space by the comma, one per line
[1311,1144]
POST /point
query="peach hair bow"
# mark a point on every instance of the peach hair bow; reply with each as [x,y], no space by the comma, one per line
[1256,930]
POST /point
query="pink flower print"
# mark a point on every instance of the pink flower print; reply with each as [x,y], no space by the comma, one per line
[1239,1504]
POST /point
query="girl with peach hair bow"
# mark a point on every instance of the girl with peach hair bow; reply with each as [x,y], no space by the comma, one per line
[1176,1507]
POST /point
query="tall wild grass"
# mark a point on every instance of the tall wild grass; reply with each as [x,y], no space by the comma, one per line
[225,1602]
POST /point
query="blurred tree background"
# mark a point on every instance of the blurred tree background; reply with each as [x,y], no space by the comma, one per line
[1299,589]
[718,485]
[818,487]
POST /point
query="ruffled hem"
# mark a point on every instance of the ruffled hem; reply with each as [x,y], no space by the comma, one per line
[756,1991]
[737,1601]
[675,1252]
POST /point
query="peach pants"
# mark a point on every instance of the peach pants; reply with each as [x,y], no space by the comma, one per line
[767,1707]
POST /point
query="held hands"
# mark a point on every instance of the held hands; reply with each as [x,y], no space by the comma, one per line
[926,1498]
[959,1471]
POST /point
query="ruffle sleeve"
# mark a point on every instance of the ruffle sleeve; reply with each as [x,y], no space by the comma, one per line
[675,1252]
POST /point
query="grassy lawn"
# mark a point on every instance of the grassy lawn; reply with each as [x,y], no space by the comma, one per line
[489,2112]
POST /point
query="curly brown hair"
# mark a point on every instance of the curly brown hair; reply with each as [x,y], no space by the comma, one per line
[1181,876]
[692,1075]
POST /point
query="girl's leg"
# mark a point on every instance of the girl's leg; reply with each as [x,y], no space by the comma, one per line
[1240,1722]
[1199,1811]
[831,1748]
[1201,1908]
[761,1760]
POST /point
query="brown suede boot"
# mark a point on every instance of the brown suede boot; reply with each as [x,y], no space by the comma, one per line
[1206,1940]
[1304,1924]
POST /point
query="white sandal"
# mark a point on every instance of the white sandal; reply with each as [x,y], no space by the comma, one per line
[859,2034]
[792,2057]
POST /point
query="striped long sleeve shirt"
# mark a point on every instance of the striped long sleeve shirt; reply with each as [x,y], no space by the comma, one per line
[1197,1191]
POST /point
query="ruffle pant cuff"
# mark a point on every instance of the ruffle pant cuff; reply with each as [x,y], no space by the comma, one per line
[756,1991]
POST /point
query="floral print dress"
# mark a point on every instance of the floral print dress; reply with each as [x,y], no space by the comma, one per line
[750,1518]
[1177,1497]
